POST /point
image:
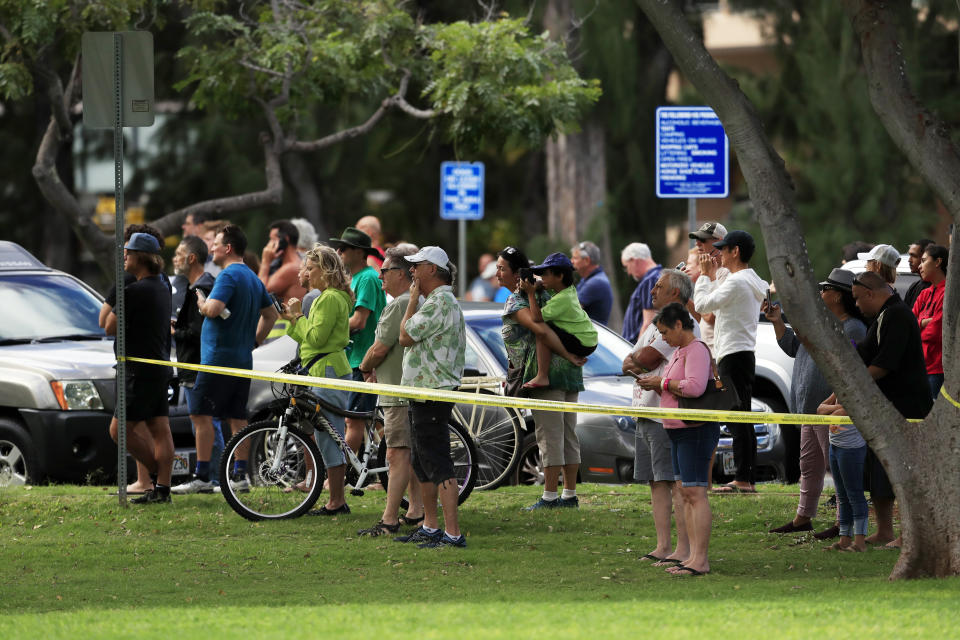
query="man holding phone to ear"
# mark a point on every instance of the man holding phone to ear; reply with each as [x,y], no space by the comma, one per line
[280,262]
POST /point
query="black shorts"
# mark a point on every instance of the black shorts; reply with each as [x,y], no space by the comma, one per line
[875,478]
[570,342]
[361,401]
[431,441]
[147,387]
[219,396]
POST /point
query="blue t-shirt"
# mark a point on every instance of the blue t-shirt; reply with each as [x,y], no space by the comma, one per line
[641,299]
[596,295]
[230,342]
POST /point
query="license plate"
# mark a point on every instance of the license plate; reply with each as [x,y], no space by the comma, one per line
[729,468]
[181,464]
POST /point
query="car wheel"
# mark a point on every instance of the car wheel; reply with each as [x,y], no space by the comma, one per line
[529,469]
[18,461]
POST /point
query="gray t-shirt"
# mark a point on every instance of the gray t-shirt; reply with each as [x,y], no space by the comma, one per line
[390,371]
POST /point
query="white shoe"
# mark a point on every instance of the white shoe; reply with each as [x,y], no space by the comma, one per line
[240,486]
[194,486]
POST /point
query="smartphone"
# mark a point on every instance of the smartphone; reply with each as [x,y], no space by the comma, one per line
[201,296]
[634,374]
[680,266]
[277,304]
[282,244]
[767,298]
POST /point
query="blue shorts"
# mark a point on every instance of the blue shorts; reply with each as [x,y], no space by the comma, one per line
[361,401]
[329,450]
[219,396]
[691,452]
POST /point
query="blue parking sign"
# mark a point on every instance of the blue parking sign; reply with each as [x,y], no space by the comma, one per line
[692,153]
[461,190]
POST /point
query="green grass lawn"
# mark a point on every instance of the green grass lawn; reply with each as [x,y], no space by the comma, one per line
[73,564]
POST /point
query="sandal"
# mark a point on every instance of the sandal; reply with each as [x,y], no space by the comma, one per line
[379,529]
[410,521]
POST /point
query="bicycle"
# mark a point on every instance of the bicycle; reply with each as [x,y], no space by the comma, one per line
[496,432]
[280,452]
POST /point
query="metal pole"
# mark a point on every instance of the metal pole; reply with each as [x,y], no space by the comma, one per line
[118,260]
[692,218]
[462,266]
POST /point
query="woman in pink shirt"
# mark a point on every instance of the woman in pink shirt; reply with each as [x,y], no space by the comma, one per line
[686,375]
[929,311]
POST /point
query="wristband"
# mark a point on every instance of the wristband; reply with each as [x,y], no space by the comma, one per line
[664,384]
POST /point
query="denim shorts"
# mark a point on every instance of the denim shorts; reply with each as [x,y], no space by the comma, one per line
[329,450]
[692,450]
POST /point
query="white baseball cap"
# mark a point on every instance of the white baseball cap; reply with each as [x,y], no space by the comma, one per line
[433,255]
[882,253]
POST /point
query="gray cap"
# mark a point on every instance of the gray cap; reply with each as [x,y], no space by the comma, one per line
[839,278]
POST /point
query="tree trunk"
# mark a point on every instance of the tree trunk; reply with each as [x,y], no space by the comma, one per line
[921,460]
[306,189]
[577,175]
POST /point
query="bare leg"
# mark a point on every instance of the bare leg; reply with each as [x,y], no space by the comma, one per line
[354,433]
[143,482]
[570,476]
[449,495]
[548,344]
[236,426]
[203,425]
[398,458]
[139,444]
[883,507]
[662,504]
[682,551]
[430,492]
[159,427]
[336,475]
[699,521]
[551,478]
[414,497]
[542,379]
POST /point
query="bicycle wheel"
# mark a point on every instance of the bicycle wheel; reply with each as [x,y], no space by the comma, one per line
[261,494]
[464,455]
[497,436]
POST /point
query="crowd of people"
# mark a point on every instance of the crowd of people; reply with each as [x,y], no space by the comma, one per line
[361,312]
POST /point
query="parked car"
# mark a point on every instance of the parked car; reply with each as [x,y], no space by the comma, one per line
[606,441]
[57,378]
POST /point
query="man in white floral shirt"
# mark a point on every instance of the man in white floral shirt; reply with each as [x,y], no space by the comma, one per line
[436,340]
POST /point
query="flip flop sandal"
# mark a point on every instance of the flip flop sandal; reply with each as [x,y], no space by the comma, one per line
[668,562]
[650,556]
[687,571]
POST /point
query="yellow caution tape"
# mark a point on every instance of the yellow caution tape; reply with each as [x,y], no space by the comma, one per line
[490,400]
[943,392]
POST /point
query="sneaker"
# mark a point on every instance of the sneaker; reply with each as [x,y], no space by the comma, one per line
[570,503]
[544,504]
[194,486]
[420,535]
[240,486]
[444,542]
[152,496]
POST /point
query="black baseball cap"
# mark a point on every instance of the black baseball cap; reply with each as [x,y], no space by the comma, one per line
[740,239]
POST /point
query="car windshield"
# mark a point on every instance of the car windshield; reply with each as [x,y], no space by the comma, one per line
[607,360]
[45,307]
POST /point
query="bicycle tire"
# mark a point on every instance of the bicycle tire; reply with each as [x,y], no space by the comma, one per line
[497,435]
[266,499]
[464,455]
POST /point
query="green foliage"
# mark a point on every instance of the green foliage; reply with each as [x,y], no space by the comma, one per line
[852,182]
[492,78]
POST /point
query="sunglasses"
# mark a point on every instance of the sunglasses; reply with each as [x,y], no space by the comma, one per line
[391,269]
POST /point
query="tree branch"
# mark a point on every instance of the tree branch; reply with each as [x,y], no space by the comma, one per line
[271,195]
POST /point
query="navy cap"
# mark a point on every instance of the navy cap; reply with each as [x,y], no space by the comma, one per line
[143,242]
[740,239]
[554,260]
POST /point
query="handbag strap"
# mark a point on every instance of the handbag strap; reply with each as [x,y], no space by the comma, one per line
[713,366]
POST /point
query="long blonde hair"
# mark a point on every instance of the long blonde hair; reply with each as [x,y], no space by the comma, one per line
[331,268]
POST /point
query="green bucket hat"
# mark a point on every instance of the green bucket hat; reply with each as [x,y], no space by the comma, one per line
[353,238]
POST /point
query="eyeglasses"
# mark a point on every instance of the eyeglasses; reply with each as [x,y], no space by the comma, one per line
[827,287]
[391,269]
[509,251]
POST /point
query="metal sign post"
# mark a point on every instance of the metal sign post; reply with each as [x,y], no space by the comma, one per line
[692,156]
[461,199]
[107,80]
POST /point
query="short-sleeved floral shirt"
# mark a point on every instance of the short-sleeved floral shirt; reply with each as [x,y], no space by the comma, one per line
[521,347]
[436,359]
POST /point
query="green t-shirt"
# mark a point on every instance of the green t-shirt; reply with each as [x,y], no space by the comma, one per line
[564,310]
[325,330]
[388,333]
[369,292]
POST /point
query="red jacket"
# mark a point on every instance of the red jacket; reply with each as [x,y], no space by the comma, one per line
[929,304]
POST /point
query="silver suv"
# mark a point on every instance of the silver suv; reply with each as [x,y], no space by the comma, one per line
[57,382]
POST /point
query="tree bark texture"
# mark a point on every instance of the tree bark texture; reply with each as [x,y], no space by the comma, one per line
[577,175]
[921,459]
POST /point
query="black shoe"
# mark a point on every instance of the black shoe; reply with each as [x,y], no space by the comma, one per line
[828,534]
[153,496]
[792,528]
[323,511]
